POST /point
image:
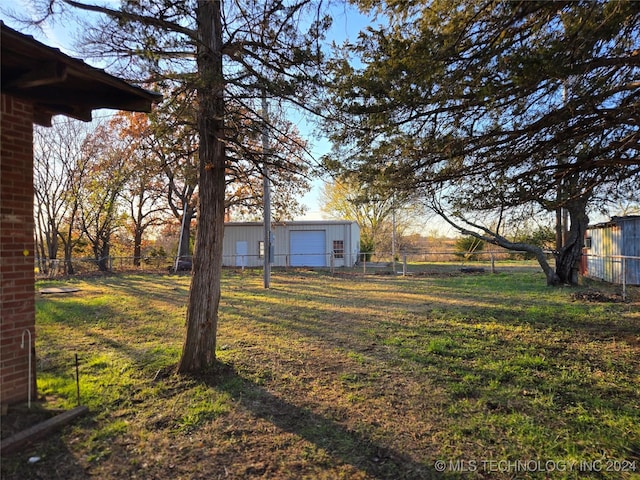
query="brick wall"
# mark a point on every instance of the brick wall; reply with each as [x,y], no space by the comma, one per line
[17,289]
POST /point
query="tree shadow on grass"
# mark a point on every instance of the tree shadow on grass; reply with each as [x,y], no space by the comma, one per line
[48,459]
[343,445]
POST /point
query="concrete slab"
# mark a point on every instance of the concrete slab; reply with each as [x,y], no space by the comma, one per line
[51,290]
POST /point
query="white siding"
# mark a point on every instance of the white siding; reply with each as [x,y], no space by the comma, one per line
[253,233]
[604,243]
[235,233]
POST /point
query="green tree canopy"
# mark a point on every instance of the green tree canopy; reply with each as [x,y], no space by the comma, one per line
[491,105]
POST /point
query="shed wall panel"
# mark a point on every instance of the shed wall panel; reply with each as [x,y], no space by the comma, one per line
[611,242]
[631,248]
[631,234]
[252,235]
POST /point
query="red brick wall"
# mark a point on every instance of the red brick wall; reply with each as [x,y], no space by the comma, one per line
[17,288]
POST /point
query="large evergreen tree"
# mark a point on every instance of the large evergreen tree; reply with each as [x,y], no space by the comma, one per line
[239,52]
[492,105]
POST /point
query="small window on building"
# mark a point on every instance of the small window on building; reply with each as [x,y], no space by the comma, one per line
[338,249]
[587,242]
[261,249]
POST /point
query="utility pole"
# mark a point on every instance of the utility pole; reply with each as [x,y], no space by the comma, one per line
[266,192]
[393,235]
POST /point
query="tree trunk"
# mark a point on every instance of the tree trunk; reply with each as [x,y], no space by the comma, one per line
[68,262]
[67,241]
[138,232]
[569,256]
[185,243]
[52,240]
[559,227]
[137,247]
[102,251]
[198,352]
[43,264]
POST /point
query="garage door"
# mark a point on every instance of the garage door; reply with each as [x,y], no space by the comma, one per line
[242,252]
[308,248]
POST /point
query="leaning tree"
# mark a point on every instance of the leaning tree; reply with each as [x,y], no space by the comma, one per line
[487,106]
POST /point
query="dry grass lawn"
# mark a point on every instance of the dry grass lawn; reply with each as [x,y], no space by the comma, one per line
[440,375]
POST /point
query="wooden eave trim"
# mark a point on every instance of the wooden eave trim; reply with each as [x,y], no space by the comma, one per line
[47,74]
[50,76]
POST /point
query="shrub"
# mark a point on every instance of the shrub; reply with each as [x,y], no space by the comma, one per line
[469,247]
[543,237]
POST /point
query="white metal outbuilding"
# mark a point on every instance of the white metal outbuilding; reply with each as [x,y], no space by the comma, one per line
[612,251]
[294,244]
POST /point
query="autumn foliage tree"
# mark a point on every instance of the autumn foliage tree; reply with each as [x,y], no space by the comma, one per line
[60,172]
[173,141]
[144,192]
[378,211]
[108,171]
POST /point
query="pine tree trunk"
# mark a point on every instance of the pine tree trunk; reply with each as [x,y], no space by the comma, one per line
[568,258]
[198,352]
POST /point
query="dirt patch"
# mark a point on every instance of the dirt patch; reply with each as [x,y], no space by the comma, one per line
[58,290]
[597,296]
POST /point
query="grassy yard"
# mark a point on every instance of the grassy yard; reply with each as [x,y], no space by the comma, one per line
[342,377]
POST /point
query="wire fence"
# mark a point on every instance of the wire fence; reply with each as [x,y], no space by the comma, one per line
[86,265]
[357,262]
[617,269]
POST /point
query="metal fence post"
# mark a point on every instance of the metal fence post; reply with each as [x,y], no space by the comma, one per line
[624,278]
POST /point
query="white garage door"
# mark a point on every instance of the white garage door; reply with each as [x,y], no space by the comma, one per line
[308,248]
